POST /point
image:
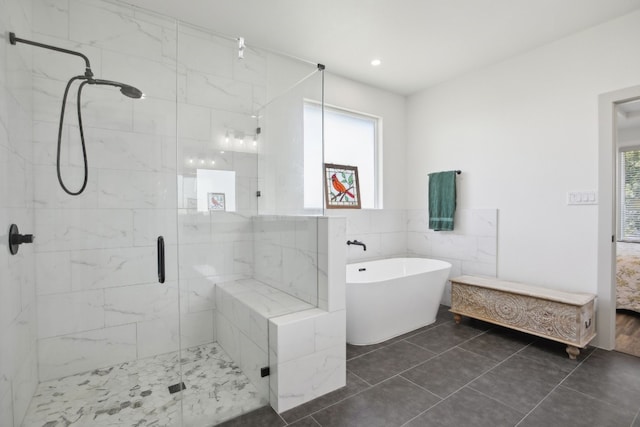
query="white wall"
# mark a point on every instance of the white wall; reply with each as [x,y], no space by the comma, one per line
[524,132]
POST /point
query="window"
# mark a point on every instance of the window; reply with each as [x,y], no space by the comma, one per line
[630,194]
[350,139]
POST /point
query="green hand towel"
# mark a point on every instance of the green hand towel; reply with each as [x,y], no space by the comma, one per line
[442,200]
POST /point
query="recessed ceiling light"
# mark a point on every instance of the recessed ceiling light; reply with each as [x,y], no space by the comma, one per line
[376,62]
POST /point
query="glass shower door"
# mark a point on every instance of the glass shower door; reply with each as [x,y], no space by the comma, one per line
[223,344]
[108,328]
[240,147]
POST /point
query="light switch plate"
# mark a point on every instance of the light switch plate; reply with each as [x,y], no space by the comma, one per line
[582,197]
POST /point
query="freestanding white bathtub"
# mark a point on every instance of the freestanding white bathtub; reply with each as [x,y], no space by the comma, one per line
[390,297]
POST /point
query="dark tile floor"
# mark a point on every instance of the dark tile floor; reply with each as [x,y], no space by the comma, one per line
[472,374]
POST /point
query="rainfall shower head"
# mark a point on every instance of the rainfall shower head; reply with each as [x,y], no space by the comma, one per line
[131,92]
[125,89]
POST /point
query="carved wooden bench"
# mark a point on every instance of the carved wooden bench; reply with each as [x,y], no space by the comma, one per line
[560,316]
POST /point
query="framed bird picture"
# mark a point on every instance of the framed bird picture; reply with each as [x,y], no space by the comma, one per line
[342,189]
[216,201]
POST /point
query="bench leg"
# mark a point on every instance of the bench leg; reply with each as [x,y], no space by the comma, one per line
[457,318]
[573,352]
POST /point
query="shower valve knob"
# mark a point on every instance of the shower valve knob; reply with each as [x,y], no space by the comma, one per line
[16,239]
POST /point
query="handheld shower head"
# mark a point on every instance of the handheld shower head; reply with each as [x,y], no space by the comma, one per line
[87,78]
[125,89]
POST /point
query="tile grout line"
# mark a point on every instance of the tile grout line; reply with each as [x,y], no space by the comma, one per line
[370,386]
[554,388]
[442,399]
[360,378]
[528,358]
[329,406]
[595,398]
[335,403]
[368,352]
[280,416]
[465,385]
[498,401]
[449,349]
[422,388]
[386,379]
[400,340]
[444,352]
[400,373]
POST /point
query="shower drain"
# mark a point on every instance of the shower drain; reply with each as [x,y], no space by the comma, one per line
[176,388]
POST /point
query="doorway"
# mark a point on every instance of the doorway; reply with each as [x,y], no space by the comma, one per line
[606,250]
[627,214]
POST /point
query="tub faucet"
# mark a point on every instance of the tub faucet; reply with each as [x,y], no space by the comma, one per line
[355,242]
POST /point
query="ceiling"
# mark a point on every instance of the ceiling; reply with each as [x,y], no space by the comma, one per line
[420,42]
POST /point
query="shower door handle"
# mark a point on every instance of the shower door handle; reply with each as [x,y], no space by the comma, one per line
[161,259]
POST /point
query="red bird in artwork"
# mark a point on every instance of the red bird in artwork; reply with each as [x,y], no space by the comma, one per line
[339,187]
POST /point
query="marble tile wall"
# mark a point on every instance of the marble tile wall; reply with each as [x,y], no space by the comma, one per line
[18,328]
[260,325]
[94,276]
[245,307]
[384,231]
[307,351]
[332,261]
[217,98]
[286,254]
[96,270]
[472,248]
[307,348]
[95,254]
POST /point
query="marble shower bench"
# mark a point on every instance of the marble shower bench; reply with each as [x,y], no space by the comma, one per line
[260,326]
[565,317]
[266,301]
[244,308]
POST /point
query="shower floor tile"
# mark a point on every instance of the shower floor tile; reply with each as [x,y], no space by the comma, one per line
[136,393]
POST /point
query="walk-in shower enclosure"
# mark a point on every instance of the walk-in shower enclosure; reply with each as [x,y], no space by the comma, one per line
[210,160]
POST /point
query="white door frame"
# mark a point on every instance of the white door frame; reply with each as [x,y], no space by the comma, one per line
[606,311]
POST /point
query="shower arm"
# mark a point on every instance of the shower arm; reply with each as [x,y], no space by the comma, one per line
[87,72]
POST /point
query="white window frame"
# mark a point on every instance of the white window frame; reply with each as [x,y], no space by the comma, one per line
[377,146]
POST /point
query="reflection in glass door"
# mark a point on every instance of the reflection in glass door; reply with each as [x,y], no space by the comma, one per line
[231,113]
[223,348]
